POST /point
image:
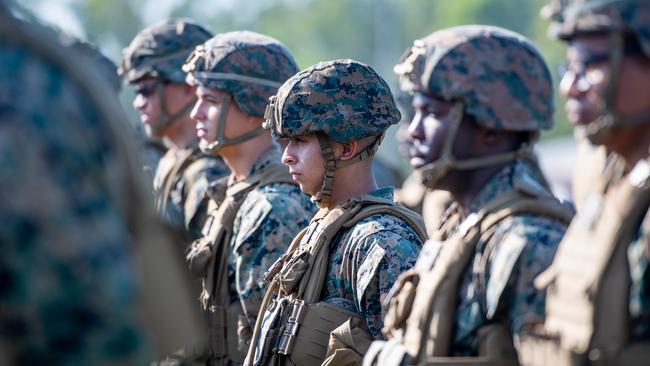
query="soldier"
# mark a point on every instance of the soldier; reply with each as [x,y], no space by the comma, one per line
[263,210]
[598,292]
[329,285]
[152,63]
[471,290]
[73,215]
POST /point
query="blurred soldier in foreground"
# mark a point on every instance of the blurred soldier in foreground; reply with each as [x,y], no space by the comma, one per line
[263,209]
[83,264]
[152,63]
[471,290]
[329,286]
[598,287]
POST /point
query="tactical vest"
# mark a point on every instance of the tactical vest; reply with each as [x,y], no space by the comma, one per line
[209,260]
[295,326]
[186,160]
[419,322]
[587,301]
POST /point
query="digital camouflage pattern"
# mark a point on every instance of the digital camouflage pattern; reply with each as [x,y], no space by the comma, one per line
[266,223]
[188,172]
[583,17]
[345,99]
[230,61]
[67,288]
[365,260]
[498,284]
[160,50]
[454,64]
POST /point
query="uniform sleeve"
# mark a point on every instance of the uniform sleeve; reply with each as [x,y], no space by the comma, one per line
[382,257]
[527,245]
[266,224]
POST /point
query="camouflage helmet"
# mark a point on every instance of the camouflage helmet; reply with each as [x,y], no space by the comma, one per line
[341,100]
[249,66]
[474,63]
[578,17]
[344,99]
[161,49]
[468,66]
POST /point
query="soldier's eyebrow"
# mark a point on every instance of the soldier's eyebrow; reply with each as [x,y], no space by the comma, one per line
[207,92]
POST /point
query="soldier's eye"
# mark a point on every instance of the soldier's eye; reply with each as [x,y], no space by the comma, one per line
[146,90]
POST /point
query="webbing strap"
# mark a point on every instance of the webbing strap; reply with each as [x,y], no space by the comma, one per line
[165,120]
[221,140]
[323,197]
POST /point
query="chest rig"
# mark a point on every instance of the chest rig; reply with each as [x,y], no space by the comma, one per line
[165,184]
[420,318]
[294,326]
[587,301]
[208,259]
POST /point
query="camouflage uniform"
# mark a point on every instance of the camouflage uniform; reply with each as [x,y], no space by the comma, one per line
[181,187]
[269,217]
[70,213]
[363,257]
[365,260]
[520,248]
[181,175]
[260,214]
[473,281]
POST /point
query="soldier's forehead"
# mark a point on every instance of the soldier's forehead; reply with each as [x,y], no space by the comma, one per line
[588,44]
[206,90]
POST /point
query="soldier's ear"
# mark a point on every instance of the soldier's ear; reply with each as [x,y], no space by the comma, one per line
[348,150]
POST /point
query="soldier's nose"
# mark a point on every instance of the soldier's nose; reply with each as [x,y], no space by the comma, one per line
[139,102]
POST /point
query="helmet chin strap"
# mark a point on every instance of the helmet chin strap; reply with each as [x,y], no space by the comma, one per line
[598,130]
[221,139]
[323,197]
[430,174]
[166,119]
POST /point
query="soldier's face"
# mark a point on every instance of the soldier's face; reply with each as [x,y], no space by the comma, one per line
[207,114]
[587,77]
[428,129]
[148,103]
[585,80]
[305,162]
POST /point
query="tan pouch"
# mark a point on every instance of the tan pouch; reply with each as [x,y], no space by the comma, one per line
[348,343]
[495,342]
[318,321]
[401,304]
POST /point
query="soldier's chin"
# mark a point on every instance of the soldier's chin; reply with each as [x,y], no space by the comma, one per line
[417,162]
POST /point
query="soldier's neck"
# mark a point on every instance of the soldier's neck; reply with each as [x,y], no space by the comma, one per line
[470,184]
[633,145]
[351,181]
[182,134]
[241,157]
